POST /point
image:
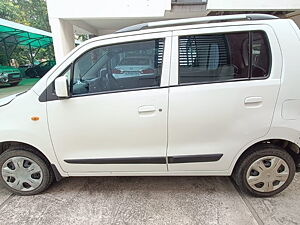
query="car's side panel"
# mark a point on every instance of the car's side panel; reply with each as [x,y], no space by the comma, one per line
[88,131]
[17,125]
[287,112]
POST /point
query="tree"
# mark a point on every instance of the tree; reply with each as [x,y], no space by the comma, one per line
[8,11]
[30,13]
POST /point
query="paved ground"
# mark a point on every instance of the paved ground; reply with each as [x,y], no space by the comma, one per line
[147,200]
[24,85]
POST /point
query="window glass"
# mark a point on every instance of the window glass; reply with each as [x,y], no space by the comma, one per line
[210,58]
[260,55]
[68,75]
[119,67]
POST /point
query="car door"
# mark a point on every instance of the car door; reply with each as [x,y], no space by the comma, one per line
[115,119]
[223,94]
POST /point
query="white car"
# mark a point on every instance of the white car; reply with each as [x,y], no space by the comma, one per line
[223,100]
[133,67]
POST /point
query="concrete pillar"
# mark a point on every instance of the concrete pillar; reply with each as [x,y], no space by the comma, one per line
[63,37]
[297,20]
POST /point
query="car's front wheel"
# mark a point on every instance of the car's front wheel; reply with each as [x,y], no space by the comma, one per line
[265,171]
[23,172]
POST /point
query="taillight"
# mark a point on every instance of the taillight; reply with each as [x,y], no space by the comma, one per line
[115,71]
[147,71]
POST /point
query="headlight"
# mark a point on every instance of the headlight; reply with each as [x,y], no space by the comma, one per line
[3,75]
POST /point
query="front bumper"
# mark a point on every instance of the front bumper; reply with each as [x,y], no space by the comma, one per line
[11,78]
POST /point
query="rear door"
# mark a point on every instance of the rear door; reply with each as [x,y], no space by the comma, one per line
[223,94]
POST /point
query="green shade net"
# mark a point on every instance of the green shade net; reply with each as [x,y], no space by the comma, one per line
[13,35]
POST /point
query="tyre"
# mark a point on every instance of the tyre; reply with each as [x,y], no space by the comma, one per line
[14,84]
[23,172]
[264,171]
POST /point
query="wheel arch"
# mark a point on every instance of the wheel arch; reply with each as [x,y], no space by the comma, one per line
[4,146]
[289,146]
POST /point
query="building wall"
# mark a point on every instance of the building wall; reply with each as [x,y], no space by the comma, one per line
[265,5]
[99,17]
[106,9]
[63,13]
[296,18]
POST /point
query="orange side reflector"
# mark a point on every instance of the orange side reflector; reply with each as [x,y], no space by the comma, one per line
[35,118]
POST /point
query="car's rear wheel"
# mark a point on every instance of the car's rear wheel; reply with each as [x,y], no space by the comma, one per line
[264,171]
[23,172]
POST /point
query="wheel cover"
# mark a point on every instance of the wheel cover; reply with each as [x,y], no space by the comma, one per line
[22,174]
[267,174]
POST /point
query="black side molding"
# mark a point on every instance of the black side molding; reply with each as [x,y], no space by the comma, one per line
[194,158]
[149,160]
[135,160]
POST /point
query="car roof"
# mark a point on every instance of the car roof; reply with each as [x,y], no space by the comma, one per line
[183,27]
[207,19]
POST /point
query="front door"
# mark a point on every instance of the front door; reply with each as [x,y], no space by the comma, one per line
[116,118]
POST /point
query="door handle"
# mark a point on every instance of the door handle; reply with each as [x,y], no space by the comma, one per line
[253,102]
[146,109]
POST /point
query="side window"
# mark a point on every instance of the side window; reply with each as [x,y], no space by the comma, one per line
[211,58]
[119,67]
[68,75]
[260,55]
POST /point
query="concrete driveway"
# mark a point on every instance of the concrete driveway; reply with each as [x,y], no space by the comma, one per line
[149,200]
[146,200]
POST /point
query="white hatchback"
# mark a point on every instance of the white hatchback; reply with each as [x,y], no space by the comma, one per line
[183,98]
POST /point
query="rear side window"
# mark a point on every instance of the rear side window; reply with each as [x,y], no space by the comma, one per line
[223,57]
[260,55]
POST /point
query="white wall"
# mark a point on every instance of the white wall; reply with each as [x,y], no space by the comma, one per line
[63,12]
[107,8]
[100,16]
[63,37]
[232,5]
[296,19]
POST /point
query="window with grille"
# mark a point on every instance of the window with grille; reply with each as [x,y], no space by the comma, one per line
[222,57]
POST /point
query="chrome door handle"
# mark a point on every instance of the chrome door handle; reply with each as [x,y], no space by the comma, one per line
[146,109]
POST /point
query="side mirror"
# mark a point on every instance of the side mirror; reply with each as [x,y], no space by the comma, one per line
[61,87]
